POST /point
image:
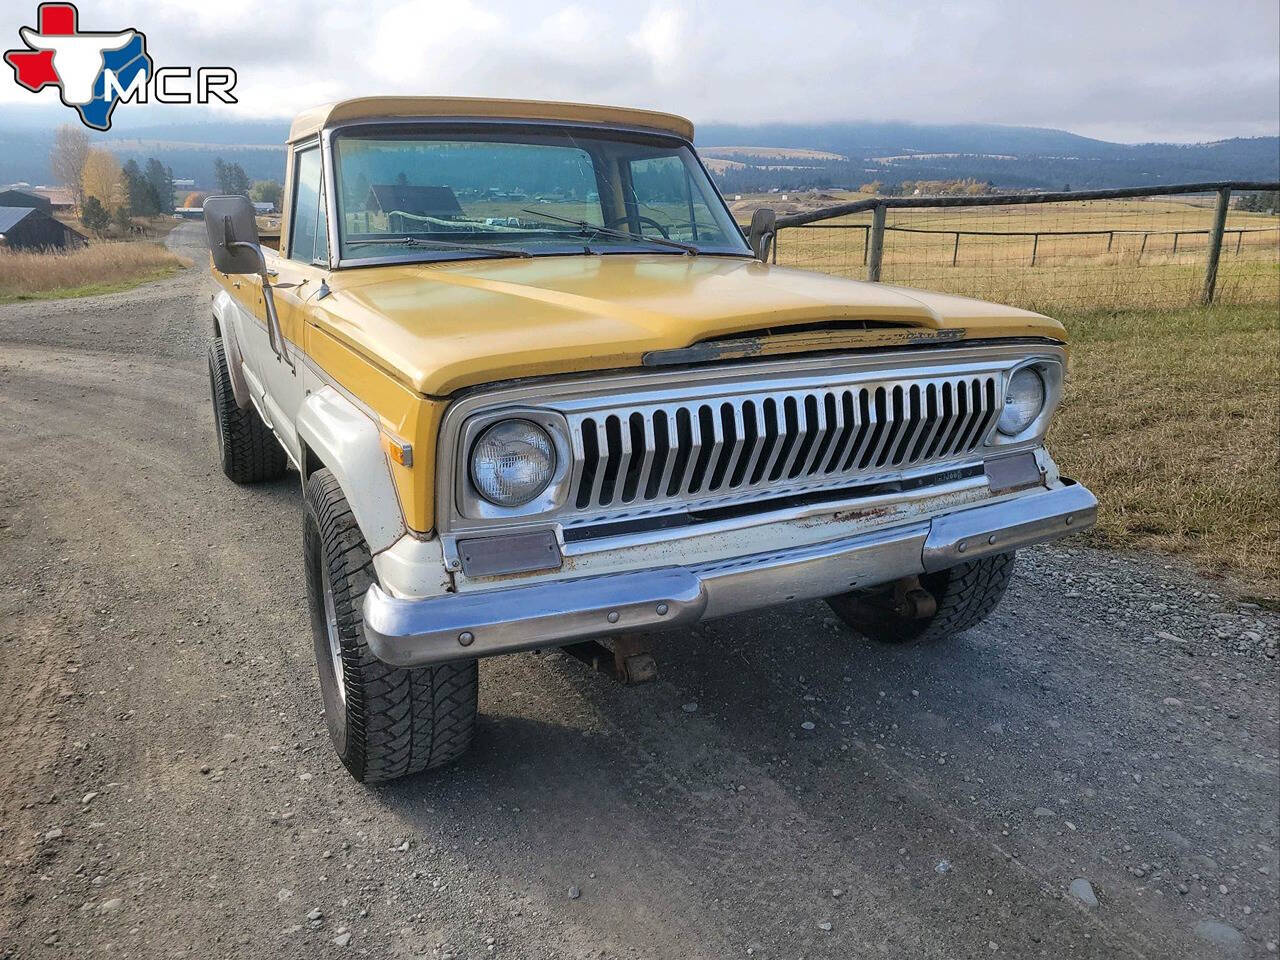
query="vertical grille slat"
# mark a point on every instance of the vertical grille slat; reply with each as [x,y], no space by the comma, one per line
[785,440]
[753,444]
[777,425]
[601,443]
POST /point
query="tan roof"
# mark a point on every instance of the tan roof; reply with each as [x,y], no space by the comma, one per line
[310,122]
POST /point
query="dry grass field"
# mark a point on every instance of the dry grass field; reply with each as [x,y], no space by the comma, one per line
[97,268]
[1172,418]
[1145,253]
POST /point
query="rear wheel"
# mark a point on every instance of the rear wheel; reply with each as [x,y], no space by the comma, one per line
[385,722]
[962,597]
[248,450]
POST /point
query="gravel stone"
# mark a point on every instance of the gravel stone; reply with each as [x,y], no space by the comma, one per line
[1082,890]
[1220,934]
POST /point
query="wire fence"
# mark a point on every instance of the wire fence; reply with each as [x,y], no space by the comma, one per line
[1089,249]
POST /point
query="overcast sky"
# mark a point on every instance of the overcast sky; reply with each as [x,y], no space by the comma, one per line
[1173,70]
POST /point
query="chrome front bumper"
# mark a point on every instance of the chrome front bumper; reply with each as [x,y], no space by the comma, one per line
[416,632]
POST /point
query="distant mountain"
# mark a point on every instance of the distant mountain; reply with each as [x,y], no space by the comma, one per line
[1007,156]
[1014,157]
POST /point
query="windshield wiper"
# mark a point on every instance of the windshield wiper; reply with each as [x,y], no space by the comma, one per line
[443,245]
[592,229]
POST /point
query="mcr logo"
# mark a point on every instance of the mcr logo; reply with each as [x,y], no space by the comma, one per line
[94,71]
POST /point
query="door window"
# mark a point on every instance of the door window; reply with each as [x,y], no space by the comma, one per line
[308,238]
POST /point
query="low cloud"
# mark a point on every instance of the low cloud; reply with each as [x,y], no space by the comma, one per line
[1133,71]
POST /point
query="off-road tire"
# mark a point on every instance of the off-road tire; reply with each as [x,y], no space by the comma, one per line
[249,451]
[966,594]
[385,722]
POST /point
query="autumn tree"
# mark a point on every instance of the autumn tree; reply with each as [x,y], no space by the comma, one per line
[102,179]
[70,150]
[194,199]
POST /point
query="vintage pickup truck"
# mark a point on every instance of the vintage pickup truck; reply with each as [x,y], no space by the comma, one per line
[541,389]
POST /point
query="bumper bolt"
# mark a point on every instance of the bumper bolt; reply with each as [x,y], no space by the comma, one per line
[961,547]
[991,539]
[661,609]
[466,637]
[613,616]
[1069,519]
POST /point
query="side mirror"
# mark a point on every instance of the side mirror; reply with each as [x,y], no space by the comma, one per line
[232,227]
[233,235]
[763,229]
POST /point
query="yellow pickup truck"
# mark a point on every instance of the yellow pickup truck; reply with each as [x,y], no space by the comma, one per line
[541,389]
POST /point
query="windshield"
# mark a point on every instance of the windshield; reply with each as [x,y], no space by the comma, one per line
[443,193]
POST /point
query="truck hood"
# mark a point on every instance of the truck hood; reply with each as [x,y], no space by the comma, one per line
[444,326]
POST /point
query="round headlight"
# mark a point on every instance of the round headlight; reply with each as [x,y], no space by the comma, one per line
[1023,401]
[512,462]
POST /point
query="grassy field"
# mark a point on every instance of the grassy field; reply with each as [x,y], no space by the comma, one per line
[95,269]
[1172,418]
[1149,253]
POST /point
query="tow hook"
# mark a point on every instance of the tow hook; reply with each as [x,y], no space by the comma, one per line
[911,601]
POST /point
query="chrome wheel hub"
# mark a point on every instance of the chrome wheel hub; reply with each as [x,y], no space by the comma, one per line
[331,631]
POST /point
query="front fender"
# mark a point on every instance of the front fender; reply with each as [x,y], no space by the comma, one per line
[348,442]
[224,311]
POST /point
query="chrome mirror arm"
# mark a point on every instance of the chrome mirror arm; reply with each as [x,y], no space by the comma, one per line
[274,333]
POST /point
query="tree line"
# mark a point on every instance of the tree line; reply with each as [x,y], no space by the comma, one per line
[105,192]
[108,195]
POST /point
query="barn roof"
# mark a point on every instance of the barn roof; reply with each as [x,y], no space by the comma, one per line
[408,198]
[17,193]
[10,216]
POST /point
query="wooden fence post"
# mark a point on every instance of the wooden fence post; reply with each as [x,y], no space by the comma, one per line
[1215,245]
[1176,235]
[955,251]
[875,251]
[866,242]
[1239,240]
[1035,246]
[1143,248]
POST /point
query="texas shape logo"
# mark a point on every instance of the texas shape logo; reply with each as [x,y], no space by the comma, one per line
[93,70]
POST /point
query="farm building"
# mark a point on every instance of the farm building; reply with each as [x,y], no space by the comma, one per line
[59,197]
[29,228]
[25,198]
[401,202]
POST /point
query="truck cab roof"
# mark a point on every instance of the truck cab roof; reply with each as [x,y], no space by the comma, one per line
[310,122]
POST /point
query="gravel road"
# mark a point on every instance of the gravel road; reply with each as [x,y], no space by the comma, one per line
[1094,773]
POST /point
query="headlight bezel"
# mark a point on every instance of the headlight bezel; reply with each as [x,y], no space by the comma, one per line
[472,504]
[1050,371]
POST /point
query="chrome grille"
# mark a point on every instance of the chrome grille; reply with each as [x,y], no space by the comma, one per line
[647,455]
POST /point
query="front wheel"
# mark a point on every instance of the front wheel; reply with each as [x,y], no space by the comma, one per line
[962,597]
[385,722]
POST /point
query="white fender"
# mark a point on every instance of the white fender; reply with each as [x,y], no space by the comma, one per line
[224,308]
[348,442]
